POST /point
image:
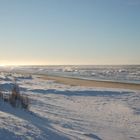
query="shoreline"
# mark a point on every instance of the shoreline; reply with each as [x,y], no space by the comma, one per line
[90,83]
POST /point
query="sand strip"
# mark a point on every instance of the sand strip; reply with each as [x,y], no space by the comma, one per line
[91,83]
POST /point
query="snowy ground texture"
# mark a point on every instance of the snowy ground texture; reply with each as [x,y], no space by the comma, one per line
[63,112]
[117,73]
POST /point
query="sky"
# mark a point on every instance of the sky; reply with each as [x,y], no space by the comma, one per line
[58,32]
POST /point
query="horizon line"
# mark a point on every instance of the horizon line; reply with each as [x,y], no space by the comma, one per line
[8,65]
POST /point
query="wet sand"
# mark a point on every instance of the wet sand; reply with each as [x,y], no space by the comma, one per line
[91,83]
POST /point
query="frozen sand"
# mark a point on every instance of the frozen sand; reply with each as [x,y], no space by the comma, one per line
[91,83]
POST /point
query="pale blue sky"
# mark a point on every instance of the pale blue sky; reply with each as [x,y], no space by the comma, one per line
[69,32]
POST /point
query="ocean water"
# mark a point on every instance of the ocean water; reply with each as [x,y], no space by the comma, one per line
[119,73]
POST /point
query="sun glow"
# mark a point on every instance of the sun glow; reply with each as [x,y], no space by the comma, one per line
[1,65]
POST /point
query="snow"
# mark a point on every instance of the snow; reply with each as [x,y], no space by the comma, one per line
[61,112]
[118,73]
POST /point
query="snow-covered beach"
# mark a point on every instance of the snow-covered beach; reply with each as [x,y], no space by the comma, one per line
[69,69]
[61,111]
[91,83]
